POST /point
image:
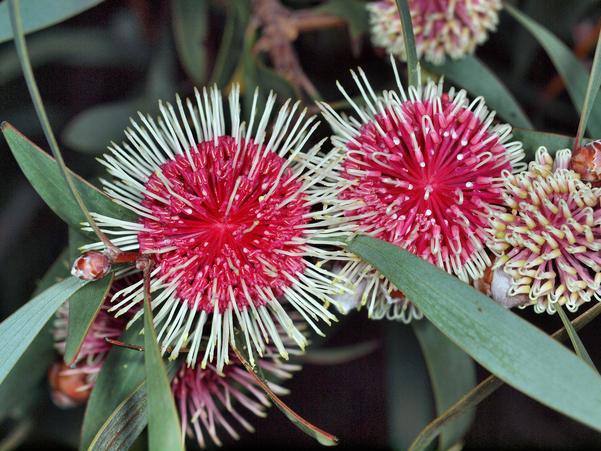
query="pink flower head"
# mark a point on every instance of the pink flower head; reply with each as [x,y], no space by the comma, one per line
[548,238]
[423,171]
[442,27]
[229,220]
[210,402]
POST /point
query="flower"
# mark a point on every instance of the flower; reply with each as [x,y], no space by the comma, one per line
[231,220]
[71,385]
[441,27]
[423,171]
[209,401]
[548,238]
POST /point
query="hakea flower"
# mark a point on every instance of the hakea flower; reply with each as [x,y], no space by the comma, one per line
[210,401]
[442,27]
[421,170]
[230,221]
[72,384]
[548,240]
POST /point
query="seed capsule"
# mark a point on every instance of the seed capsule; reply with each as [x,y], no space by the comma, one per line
[586,161]
[91,266]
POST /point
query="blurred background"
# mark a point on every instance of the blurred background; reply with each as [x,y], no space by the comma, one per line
[99,68]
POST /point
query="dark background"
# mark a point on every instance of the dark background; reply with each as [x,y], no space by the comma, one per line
[124,38]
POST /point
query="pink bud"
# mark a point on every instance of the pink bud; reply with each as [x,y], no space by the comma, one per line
[91,266]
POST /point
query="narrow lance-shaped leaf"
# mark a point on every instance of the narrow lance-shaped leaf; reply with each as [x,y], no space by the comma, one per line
[496,338]
[83,308]
[190,29]
[308,428]
[164,432]
[571,70]
[452,373]
[44,175]
[485,388]
[574,338]
[470,73]
[533,139]
[592,91]
[409,41]
[33,364]
[18,330]
[107,397]
[37,15]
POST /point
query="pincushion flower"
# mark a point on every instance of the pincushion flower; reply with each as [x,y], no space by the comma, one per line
[548,239]
[442,28]
[231,220]
[421,170]
[210,401]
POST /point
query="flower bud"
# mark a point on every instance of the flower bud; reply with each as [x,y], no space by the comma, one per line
[91,266]
[69,388]
[586,161]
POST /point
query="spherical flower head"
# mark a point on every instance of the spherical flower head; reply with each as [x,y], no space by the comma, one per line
[548,238]
[442,28]
[228,217]
[422,171]
[211,402]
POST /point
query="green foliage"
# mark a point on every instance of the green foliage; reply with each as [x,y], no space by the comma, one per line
[473,75]
[112,402]
[452,373]
[163,423]
[37,15]
[32,366]
[190,30]
[20,329]
[496,338]
[571,70]
[44,175]
[83,308]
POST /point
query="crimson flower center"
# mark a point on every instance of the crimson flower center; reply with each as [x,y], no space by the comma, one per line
[225,223]
[427,180]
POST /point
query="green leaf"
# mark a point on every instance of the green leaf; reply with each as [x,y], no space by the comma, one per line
[19,330]
[164,431]
[452,374]
[110,401]
[533,139]
[190,26]
[592,90]
[33,365]
[502,342]
[232,42]
[93,129]
[406,379]
[574,338]
[473,75]
[409,41]
[38,14]
[256,372]
[353,11]
[44,175]
[339,355]
[571,70]
[83,308]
